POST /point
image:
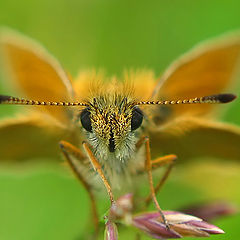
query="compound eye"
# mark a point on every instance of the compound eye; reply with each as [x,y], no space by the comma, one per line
[85,120]
[137,118]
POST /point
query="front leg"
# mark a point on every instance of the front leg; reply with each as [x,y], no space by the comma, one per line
[148,167]
[69,150]
[155,164]
[98,168]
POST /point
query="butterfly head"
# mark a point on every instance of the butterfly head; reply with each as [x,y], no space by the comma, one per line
[111,124]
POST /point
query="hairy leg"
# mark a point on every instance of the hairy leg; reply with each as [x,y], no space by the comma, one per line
[154,164]
[159,162]
[148,167]
[98,168]
[69,150]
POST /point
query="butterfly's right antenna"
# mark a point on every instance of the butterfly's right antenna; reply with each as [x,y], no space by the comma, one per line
[212,99]
[21,101]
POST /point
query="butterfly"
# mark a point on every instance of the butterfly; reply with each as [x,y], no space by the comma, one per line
[112,130]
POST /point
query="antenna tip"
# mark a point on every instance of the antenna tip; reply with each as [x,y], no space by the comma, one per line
[226,98]
[4,98]
[220,98]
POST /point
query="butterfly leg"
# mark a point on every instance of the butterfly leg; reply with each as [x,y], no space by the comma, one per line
[159,162]
[67,150]
[98,168]
[148,167]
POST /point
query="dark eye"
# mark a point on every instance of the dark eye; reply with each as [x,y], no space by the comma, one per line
[85,120]
[137,118]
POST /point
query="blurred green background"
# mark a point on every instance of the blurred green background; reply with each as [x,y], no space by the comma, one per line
[113,35]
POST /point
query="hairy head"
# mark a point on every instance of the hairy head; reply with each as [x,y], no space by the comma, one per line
[111,122]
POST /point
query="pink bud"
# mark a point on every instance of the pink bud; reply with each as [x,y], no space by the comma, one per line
[122,208]
[180,225]
[150,224]
[111,232]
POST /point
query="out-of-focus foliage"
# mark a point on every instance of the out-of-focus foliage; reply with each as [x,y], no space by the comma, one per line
[113,35]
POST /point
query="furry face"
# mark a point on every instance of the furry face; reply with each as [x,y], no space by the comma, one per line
[111,123]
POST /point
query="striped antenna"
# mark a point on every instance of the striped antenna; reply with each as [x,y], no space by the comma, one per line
[21,101]
[212,99]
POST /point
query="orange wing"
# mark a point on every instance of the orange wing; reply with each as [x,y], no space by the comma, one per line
[35,72]
[196,138]
[209,68]
[31,137]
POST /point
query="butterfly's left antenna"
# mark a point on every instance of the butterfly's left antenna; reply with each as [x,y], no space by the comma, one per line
[21,101]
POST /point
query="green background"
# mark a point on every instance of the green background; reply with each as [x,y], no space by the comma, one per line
[47,203]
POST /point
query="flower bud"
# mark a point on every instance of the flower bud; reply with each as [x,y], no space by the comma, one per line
[179,225]
[111,232]
[122,208]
